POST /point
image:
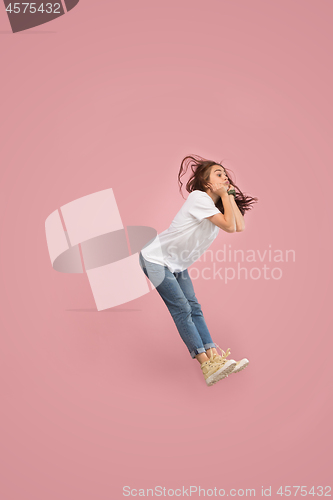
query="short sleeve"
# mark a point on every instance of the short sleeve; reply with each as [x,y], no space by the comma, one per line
[201,205]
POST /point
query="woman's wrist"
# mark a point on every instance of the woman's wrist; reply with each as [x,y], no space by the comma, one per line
[225,195]
[232,192]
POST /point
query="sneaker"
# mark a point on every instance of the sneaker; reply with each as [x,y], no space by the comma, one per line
[213,372]
[240,365]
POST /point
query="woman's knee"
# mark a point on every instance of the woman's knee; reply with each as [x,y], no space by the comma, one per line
[191,297]
[184,305]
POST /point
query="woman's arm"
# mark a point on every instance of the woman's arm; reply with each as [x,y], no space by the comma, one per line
[240,224]
[227,220]
[229,213]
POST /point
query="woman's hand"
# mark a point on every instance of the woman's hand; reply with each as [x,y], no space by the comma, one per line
[230,188]
[219,187]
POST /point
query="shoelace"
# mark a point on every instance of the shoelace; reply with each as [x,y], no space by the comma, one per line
[221,358]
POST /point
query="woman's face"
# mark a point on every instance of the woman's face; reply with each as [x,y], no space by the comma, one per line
[217,174]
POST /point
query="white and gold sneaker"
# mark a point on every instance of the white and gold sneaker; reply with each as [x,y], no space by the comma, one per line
[213,371]
[221,360]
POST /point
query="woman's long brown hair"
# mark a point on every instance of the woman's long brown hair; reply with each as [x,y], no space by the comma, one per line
[201,171]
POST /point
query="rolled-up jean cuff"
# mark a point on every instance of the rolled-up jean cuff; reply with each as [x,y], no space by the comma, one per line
[201,349]
[197,351]
[208,346]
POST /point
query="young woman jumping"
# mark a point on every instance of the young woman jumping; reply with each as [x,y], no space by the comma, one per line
[214,202]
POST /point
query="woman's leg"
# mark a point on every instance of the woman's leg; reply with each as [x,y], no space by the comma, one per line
[186,285]
[168,288]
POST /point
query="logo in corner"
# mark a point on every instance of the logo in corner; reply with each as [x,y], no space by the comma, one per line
[25,15]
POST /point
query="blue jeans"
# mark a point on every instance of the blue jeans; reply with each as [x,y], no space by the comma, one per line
[176,289]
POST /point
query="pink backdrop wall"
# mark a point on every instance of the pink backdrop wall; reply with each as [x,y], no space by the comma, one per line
[115,95]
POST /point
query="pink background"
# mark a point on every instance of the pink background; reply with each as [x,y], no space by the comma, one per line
[115,94]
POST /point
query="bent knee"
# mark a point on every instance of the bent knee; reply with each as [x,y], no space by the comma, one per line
[184,304]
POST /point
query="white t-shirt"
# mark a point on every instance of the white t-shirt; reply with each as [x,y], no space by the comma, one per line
[188,236]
